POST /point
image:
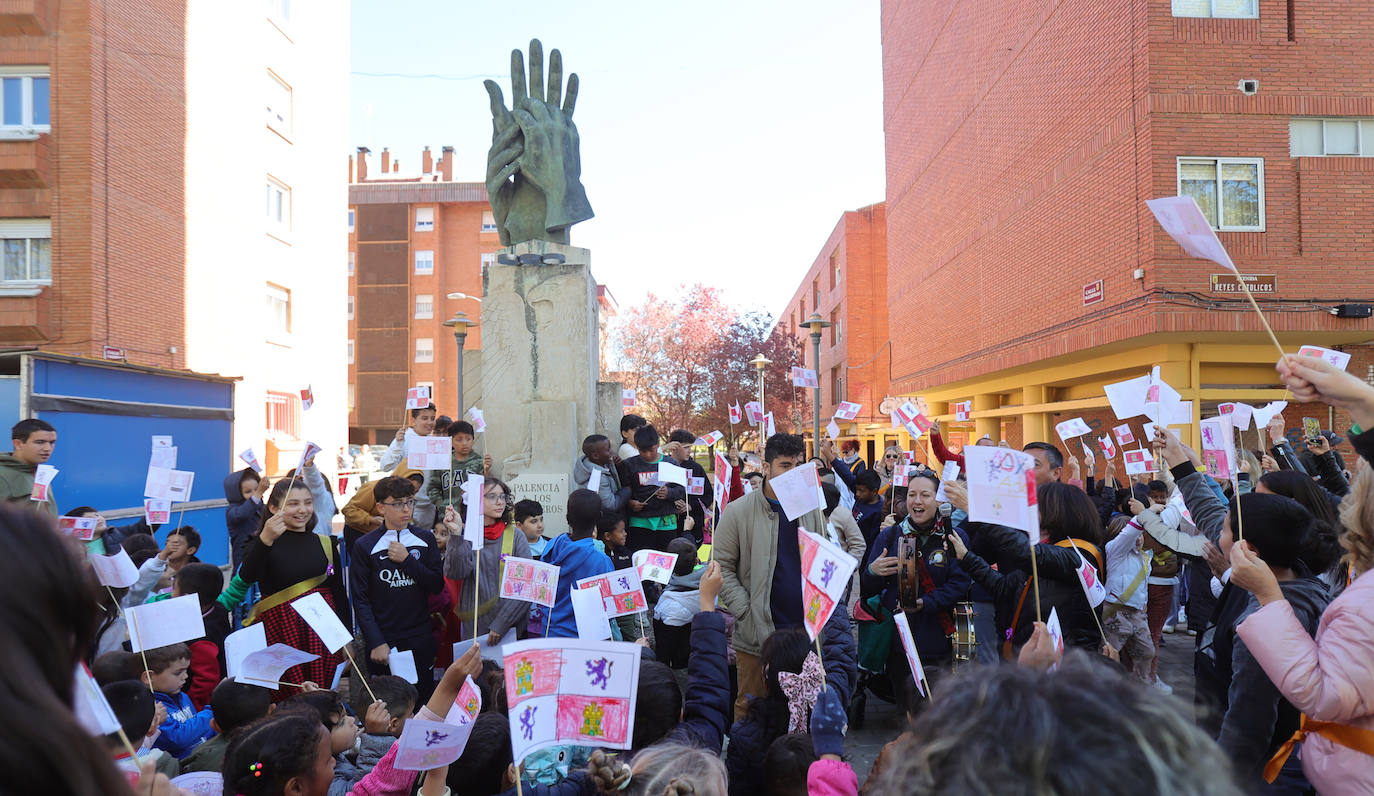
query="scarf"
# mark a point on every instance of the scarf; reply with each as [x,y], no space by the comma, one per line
[923,573]
[494,531]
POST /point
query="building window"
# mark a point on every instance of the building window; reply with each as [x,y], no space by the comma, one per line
[424,306]
[835,335]
[424,349]
[488,222]
[488,260]
[350,308]
[24,101]
[352,262]
[816,293]
[350,352]
[801,310]
[1231,9]
[1230,191]
[283,415]
[837,384]
[278,207]
[1309,138]
[424,262]
[352,215]
[26,245]
[278,105]
[278,300]
[352,397]
[424,219]
[428,384]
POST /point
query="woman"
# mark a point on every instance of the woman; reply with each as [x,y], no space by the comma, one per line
[288,560]
[501,539]
[1069,534]
[1329,678]
[1323,554]
[892,457]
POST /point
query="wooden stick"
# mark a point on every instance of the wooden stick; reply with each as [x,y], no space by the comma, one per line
[118,608]
[128,746]
[519,787]
[477,584]
[1246,289]
[1035,578]
[134,619]
[349,654]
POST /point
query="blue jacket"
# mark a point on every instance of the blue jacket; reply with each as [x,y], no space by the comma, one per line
[950,581]
[241,516]
[869,516]
[575,560]
[184,729]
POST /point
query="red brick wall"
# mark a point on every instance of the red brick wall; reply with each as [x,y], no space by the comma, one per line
[1023,138]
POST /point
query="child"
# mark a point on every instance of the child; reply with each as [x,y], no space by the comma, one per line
[207,654]
[421,425]
[234,705]
[399,699]
[785,765]
[393,572]
[180,549]
[677,605]
[494,615]
[244,490]
[529,518]
[1124,622]
[136,711]
[596,456]
[327,707]
[576,557]
[652,519]
[486,767]
[185,728]
[610,531]
[629,424]
[445,486]
[111,667]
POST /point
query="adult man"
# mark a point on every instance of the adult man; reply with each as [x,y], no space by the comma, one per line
[696,504]
[760,564]
[34,440]
[421,425]
[1048,461]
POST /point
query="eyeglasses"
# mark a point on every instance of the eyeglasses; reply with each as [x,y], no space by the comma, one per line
[499,497]
[404,504]
[891,456]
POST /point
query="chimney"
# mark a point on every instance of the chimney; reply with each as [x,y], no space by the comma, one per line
[386,160]
[396,166]
[363,152]
[428,160]
[446,164]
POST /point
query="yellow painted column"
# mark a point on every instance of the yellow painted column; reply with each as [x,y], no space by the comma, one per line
[1034,425]
[991,426]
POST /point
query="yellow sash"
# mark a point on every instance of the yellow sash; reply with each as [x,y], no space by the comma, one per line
[507,545]
[296,589]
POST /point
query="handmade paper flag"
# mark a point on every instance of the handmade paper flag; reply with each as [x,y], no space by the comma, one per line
[82,528]
[249,458]
[621,592]
[963,410]
[997,488]
[721,476]
[42,482]
[1056,633]
[1263,414]
[425,745]
[1123,434]
[913,420]
[1219,447]
[307,397]
[768,423]
[735,414]
[672,474]
[1088,456]
[754,412]
[590,614]
[948,475]
[1338,358]
[803,377]
[489,651]
[163,457]
[909,457]
[308,454]
[162,441]
[1089,579]
[899,474]
[799,490]
[1139,462]
[1128,397]
[473,491]
[1149,428]
[402,665]
[1183,220]
[264,667]
[165,622]
[570,691]
[710,439]
[1164,404]
[847,410]
[627,399]
[913,659]
[826,572]
[322,619]
[242,643]
[1072,428]
[428,453]
[417,398]
[90,706]
[695,485]
[1108,449]
[529,580]
[467,705]
[478,420]
[157,512]
[832,429]
[1240,414]
[655,566]
[116,571]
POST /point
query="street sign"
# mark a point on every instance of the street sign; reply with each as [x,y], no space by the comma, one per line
[1258,283]
[111,352]
[1092,292]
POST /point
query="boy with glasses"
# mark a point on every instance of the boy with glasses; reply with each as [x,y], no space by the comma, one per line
[394,570]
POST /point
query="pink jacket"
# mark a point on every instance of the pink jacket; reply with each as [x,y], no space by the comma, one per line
[831,778]
[387,780]
[1329,678]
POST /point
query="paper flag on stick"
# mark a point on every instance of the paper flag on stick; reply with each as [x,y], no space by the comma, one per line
[426,745]
[242,643]
[1123,434]
[672,474]
[529,580]
[847,410]
[417,398]
[307,397]
[322,619]
[308,454]
[833,429]
[571,691]
[1108,449]
[42,482]
[1128,397]
[1240,414]
[428,453]
[918,672]
[1338,358]
[1139,462]
[1072,428]
[265,667]
[467,705]
[736,415]
[621,591]
[997,487]
[157,512]
[710,439]
[826,572]
[627,399]
[116,571]
[479,422]
[1181,217]
[473,491]
[798,490]
[655,566]
[249,458]
[81,528]
[166,622]
[802,377]
[90,706]
[1263,414]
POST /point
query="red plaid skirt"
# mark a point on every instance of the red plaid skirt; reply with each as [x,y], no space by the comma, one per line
[284,626]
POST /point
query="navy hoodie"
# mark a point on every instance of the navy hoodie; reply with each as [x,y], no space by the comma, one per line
[575,559]
[391,600]
[242,515]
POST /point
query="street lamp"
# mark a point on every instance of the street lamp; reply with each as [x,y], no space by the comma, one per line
[815,323]
[760,362]
[460,323]
[457,296]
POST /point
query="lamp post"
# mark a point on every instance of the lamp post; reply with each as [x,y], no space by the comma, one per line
[460,323]
[760,362]
[815,323]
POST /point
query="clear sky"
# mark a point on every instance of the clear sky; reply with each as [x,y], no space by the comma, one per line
[720,140]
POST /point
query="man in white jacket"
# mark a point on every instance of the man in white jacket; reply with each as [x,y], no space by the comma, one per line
[421,425]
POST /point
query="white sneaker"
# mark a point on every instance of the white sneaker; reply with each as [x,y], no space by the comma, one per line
[1160,685]
[1168,628]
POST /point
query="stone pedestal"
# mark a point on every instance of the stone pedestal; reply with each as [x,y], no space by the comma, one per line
[540,365]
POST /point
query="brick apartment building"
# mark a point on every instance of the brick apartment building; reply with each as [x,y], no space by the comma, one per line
[847,286]
[134,154]
[1022,141]
[414,238]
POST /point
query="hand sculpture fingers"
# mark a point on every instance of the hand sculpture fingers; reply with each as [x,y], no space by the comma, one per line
[536,70]
[500,117]
[555,78]
[570,96]
[517,76]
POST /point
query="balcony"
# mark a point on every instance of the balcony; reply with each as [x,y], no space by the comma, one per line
[25,319]
[25,17]
[26,163]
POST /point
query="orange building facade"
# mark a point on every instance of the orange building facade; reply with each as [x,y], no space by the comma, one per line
[1022,142]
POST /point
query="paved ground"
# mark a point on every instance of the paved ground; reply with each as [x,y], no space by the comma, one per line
[884,721]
